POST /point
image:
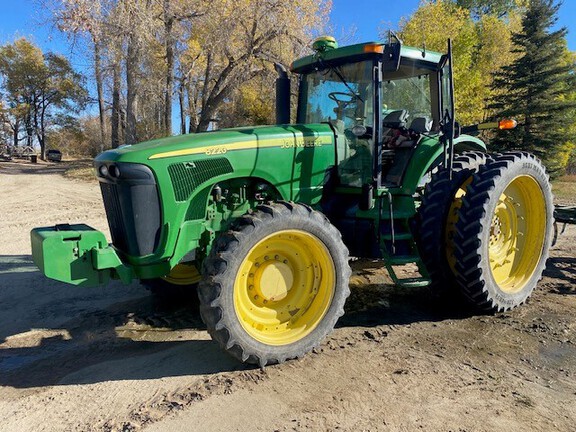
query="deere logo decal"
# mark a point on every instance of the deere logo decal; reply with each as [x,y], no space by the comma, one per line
[283,143]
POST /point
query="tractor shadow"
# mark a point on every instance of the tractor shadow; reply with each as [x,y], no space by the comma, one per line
[374,300]
[562,271]
[56,334]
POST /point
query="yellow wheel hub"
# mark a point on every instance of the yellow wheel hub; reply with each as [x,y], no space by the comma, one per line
[284,287]
[183,274]
[517,234]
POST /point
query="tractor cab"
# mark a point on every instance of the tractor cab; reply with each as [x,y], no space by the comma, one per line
[385,105]
[380,99]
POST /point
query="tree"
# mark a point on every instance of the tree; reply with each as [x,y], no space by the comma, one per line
[87,18]
[498,8]
[537,88]
[148,53]
[238,42]
[39,88]
[481,45]
[20,63]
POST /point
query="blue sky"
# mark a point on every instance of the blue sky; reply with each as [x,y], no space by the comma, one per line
[371,15]
[23,18]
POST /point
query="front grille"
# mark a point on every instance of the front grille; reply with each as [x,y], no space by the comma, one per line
[133,208]
[114,215]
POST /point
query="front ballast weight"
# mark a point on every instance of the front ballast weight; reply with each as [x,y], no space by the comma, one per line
[78,255]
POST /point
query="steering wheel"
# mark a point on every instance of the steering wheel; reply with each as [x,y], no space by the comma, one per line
[342,98]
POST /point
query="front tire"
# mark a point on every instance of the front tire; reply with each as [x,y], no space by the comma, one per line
[504,232]
[275,284]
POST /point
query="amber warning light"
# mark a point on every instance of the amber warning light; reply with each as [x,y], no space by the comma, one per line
[507,124]
[504,124]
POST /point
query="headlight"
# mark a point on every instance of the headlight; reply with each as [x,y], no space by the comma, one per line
[114,171]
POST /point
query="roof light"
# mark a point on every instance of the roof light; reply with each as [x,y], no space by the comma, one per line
[374,48]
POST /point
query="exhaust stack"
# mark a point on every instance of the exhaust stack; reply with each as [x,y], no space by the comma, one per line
[282,95]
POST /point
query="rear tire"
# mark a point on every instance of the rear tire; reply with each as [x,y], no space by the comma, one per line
[275,284]
[437,217]
[504,232]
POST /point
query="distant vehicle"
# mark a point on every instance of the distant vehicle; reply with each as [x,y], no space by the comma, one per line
[54,155]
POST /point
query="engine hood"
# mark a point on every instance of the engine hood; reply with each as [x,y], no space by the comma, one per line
[222,142]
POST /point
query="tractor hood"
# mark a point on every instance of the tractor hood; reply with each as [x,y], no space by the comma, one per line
[222,142]
[291,158]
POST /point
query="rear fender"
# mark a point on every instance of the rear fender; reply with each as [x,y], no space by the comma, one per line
[429,154]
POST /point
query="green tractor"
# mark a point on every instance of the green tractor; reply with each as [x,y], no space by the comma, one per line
[261,221]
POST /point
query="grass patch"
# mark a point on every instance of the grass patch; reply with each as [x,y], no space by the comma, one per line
[564,189]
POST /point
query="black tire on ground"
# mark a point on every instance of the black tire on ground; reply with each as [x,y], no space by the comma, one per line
[284,245]
[504,232]
[436,217]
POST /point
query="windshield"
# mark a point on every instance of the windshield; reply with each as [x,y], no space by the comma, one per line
[341,93]
[343,96]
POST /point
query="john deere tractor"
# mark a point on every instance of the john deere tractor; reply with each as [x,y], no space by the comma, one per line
[261,221]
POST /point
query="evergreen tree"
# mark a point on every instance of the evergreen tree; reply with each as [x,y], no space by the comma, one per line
[535,88]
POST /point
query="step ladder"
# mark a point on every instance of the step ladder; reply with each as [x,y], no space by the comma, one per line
[398,246]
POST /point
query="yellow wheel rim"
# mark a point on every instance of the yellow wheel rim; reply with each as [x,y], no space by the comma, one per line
[517,234]
[284,287]
[451,220]
[183,274]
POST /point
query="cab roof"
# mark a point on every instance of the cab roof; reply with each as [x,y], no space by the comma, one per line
[362,51]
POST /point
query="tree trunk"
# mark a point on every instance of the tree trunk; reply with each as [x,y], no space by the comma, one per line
[169,45]
[205,119]
[29,129]
[16,132]
[116,108]
[100,92]
[40,126]
[192,113]
[131,91]
[182,101]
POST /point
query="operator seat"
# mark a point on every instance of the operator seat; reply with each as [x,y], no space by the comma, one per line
[421,125]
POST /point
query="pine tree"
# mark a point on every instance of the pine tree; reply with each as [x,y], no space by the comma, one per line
[534,89]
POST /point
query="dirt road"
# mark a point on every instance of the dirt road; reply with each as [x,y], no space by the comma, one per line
[112,359]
